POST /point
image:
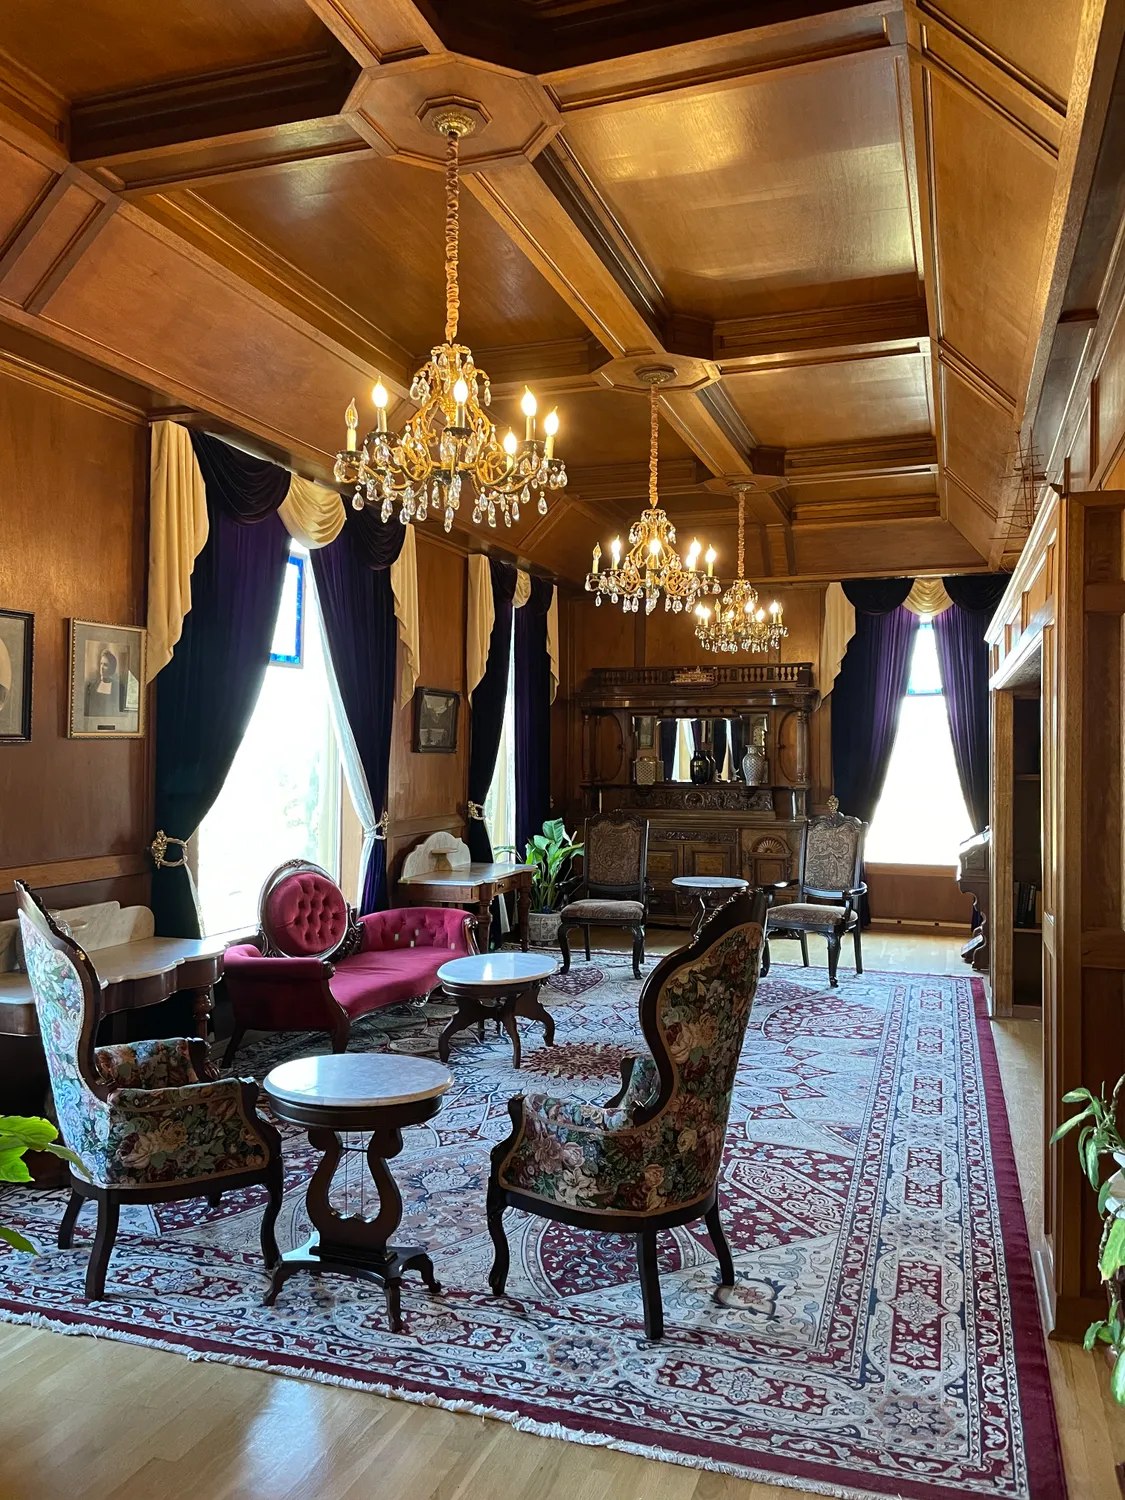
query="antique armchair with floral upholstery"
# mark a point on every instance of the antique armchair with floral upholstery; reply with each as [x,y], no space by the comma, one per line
[140,1118]
[614,890]
[316,965]
[650,1158]
[828,890]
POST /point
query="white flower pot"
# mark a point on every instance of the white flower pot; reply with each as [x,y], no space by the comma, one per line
[543,929]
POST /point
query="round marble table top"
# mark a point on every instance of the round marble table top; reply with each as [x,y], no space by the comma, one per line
[351,1080]
[505,967]
[711,883]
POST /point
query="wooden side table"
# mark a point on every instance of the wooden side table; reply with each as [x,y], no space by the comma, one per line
[711,891]
[368,1093]
[496,987]
[476,884]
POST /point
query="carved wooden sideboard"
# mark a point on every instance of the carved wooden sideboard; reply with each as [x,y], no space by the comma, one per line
[722,827]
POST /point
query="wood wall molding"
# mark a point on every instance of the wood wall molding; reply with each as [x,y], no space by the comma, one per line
[27,370]
[77,871]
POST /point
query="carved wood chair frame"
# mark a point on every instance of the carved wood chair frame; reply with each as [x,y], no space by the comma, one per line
[109,1200]
[593,890]
[834,928]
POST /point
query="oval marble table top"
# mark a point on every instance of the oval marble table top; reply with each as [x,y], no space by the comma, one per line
[358,1079]
[711,883]
[505,967]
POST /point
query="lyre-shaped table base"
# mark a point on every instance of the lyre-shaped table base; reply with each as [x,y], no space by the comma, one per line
[355,1245]
[352,1243]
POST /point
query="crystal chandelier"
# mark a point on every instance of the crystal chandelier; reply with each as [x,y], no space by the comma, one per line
[737,622]
[652,566]
[450,440]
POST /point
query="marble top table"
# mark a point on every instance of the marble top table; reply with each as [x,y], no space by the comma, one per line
[496,987]
[370,1094]
[476,884]
[133,975]
[711,891]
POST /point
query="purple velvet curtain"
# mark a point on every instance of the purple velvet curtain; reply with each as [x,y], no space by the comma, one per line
[357,606]
[868,693]
[963,660]
[719,743]
[533,713]
[487,722]
[207,692]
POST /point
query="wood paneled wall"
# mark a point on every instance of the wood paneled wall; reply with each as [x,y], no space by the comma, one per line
[429,792]
[73,486]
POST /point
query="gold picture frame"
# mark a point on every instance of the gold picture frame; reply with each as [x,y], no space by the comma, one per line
[107,681]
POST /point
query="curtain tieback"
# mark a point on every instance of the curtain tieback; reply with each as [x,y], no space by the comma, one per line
[159,851]
[380,830]
[476,810]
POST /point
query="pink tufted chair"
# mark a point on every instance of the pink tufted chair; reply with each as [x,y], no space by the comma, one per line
[316,966]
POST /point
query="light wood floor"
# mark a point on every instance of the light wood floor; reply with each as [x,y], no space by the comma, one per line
[106,1421]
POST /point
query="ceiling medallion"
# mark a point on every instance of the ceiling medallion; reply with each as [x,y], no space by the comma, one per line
[449,440]
[737,622]
[652,566]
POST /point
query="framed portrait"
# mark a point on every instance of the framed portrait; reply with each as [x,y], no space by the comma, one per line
[435,720]
[17,631]
[107,681]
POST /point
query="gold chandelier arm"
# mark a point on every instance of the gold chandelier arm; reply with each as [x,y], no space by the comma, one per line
[452,236]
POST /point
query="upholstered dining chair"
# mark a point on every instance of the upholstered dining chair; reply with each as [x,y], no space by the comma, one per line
[828,888]
[614,889]
[140,1117]
[650,1158]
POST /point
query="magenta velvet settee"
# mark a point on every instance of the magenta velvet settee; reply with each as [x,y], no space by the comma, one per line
[316,966]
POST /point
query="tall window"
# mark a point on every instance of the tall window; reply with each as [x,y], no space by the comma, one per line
[500,804]
[281,797]
[921,818]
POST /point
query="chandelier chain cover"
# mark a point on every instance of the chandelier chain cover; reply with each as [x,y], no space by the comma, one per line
[737,622]
[652,566]
[450,444]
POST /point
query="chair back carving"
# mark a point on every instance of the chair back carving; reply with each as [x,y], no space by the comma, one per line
[694,1010]
[67,995]
[615,856]
[833,852]
[303,913]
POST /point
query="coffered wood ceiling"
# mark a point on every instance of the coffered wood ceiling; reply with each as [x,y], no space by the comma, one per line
[229,210]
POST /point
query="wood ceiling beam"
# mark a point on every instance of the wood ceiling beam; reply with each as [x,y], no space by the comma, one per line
[378,31]
[558,366]
[219,123]
[828,334]
[599,483]
[885,456]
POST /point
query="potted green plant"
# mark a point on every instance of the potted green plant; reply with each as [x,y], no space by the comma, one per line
[552,853]
[18,1135]
[1100,1137]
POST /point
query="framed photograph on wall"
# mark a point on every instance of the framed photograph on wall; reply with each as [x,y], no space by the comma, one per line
[17,632]
[435,720]
[107,681]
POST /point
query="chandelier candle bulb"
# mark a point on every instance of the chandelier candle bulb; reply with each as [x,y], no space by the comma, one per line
[510,443]
[351,417]
[551,427]
[711,555]
[529,407]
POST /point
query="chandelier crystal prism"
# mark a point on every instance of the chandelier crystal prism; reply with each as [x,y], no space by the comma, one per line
[652,566]
[737,622]
[450,449]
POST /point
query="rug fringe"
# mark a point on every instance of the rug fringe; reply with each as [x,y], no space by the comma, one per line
[513,1419]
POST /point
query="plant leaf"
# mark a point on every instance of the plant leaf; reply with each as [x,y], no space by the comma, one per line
[68,1155]
[1093,1334]
[16,1240]
[13,1168]
[1113,1252]
[28,1130]
[1117,1381]
[1072,1096]
[1068,1125]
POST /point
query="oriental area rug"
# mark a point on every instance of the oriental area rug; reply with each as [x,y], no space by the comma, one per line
[883,1338]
